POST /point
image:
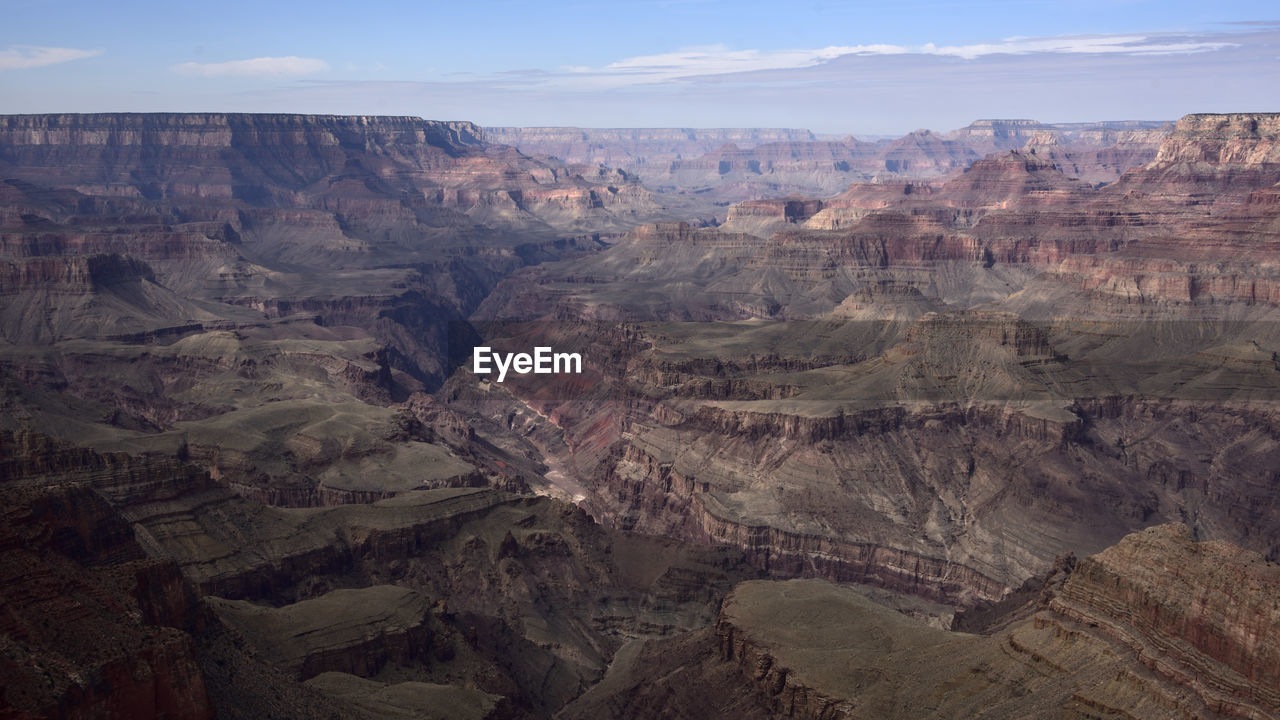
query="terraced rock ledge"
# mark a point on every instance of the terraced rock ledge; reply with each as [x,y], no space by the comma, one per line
[1158,626]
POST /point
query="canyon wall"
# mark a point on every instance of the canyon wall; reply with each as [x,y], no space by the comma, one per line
[745,164]
[1197,615]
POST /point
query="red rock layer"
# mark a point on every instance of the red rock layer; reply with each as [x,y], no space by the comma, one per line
[1202,614]
[1157,626]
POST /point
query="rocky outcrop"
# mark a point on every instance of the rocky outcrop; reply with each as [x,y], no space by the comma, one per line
[1201,614]
[763,217]
[1157,626]
[293,547]
[1001,180]
[1023,338]
[1223,139]
[790,554]
[351,631]
[93,627]
[924,154]
[71,276]
[1099,157]
[640,490]
[1209,160]
[413,700]
[742,422]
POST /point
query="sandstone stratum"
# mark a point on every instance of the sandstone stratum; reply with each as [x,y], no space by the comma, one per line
[978,423]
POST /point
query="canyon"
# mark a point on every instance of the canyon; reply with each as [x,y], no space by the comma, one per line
[732,165]
[974,423]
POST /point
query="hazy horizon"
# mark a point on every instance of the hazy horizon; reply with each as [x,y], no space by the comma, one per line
[833,68]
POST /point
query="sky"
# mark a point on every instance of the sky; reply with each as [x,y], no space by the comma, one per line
[865,68]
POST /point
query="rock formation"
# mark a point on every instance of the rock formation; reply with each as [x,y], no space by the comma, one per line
[941,390]
[1120,639]
[737,165]
[93,628]
[242,450]
[179,580]
[255,290]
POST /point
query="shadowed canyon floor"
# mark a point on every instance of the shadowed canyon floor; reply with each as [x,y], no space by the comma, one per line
[989,432]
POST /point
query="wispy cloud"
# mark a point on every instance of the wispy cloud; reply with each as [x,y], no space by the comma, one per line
[1087,44]
[720,60]
[23,57]
[255,67]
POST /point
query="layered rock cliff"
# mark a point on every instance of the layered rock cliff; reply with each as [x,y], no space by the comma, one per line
[352,631]
[635,148]
[736,165]
[1200,614]
[1158,626]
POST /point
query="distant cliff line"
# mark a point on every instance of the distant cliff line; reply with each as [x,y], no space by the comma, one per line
[225,129]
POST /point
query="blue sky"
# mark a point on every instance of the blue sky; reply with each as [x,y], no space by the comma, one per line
[841,67]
